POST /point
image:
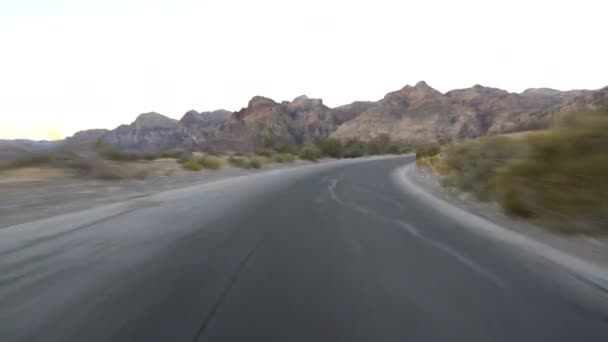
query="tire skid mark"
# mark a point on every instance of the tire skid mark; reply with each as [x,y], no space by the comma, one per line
[412,230]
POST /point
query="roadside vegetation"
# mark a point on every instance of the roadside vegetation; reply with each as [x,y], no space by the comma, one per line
[108,163]
[79,165]
[557,178]
[246,162]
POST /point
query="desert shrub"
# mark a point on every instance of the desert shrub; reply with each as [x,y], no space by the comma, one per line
[472,165]
[268,142]
[563,178]
[192,165]
[287,148]
[354,148]
[405,149]
[435,162]
[110,172]
[266,152]
[245,162]
[394,149]
[427,150]
[28,161]
[557,177]
[172,153]
[284,158]
[150,156]
[184,156]
[111,153]
[379,144]
[310,152]
[255,163]
[211,163]
[238,161]
[330,147]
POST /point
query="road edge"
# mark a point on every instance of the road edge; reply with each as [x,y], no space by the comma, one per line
[591,273]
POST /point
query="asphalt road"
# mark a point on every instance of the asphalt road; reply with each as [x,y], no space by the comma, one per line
[327,253]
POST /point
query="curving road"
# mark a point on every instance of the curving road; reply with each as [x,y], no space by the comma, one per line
[334,252]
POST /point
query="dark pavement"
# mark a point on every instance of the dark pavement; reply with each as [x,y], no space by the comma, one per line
[332,253]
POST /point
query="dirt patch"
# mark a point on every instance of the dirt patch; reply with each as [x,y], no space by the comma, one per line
[28,194]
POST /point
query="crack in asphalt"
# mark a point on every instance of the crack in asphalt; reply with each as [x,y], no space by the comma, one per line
[200,333]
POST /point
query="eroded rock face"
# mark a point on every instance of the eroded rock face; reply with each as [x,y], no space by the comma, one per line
[195,129]
[149,132]
[414,114]
[86,138]
[420,114]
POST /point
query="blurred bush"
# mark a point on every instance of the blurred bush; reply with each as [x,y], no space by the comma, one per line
[558,177]
[330,147]
[192,165]
[284,158]
[429,150]
[310,152]
[208,162]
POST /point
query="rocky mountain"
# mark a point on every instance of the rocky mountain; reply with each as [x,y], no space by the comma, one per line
[149,132]
[414,114]
[196,129]
[86,138]
[421,114]
[11,149]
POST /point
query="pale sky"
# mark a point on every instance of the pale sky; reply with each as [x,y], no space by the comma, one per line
[67,65]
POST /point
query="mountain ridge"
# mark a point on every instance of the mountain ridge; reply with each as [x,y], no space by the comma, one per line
[412,115]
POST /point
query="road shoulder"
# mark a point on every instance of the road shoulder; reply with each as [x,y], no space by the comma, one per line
[582,257]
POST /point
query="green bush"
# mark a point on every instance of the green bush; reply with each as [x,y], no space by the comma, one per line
[310,152]
[394,149]
[563,178]
[265,152]
[255,163]
[472,165]
[238,161]
[330,147]
[192,165]
[287,148]
[427,150]
[434,162]
[354,148]
[246,162]
[210,163]
[284,158]
[557,177]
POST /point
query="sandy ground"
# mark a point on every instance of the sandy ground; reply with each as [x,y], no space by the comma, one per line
[594,249]
[30,194]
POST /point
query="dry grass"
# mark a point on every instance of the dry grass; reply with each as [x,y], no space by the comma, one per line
[557,177]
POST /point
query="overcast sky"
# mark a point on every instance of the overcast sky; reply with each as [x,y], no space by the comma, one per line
[67,65]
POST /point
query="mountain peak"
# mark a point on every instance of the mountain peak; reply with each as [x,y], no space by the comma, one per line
[306,102]
[421,84]
[261,101]
[190,116]
[153,119]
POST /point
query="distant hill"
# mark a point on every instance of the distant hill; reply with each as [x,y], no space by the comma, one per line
[10,149]
[413,115]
